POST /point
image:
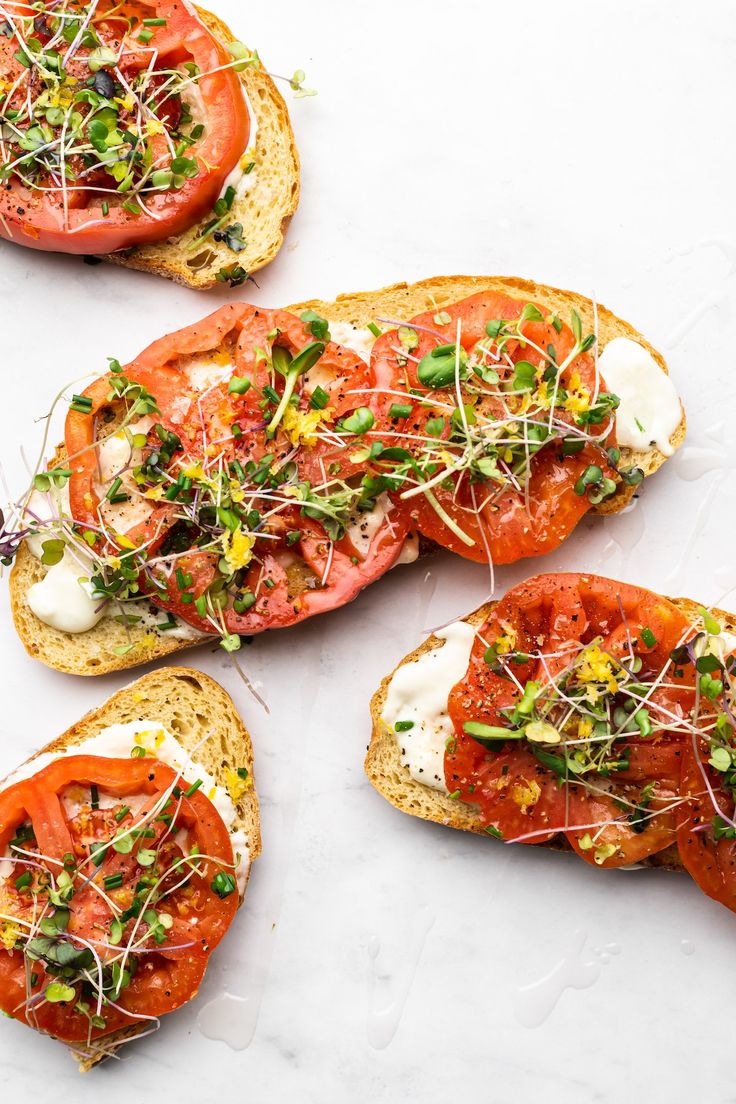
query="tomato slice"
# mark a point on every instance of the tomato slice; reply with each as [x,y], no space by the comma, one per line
[706,839]
[153,170]
[485,507]
[590,640]
[127,909]
[264,532]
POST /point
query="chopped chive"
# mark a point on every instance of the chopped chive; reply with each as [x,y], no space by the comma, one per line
[122,813]
[113,881]
[648,638]
[82,404]
[223,884]
[375,330]
[403,726]
[94,797]
[170,623]
[113,491]
[24,880]
[400,410]
[137,752]
[319,398]
[193,788]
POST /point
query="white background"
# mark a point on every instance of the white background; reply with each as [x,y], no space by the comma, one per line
[585,143]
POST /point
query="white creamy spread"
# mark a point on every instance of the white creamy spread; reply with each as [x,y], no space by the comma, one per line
[63,598]
[361,341]
[207,371]
[364,525]
[116,742]
[649,411]
[409,551]
[242,181]
[116,457]
[418,692]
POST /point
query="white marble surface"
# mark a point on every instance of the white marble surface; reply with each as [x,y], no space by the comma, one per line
[588,144]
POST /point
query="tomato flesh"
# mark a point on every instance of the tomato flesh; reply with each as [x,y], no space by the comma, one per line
[288,537]
[141,919]
[610,817]
[516,518]
[78,206]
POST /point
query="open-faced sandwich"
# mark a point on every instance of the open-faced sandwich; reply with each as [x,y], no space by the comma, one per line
[141,131]
[262,466]
[577,712]
[125,849]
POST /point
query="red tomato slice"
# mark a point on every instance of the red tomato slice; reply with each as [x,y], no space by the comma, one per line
[293,568]
[133,93]
[499,522]
[520,798]
[610,819]
[163,942]
[706,848]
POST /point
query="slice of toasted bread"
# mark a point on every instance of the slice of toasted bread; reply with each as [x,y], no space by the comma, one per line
[391,778]
[97,651]
[264,211]
[194,708]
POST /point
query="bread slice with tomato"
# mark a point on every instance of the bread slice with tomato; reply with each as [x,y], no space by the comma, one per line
[108,915]
[577,713]
[188,167]
[344,482]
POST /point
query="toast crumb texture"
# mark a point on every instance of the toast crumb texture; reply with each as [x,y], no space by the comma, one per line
[264,211]
[393,781]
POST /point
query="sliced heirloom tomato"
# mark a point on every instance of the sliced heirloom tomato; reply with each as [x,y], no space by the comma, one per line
[85,869]
[706,837]
[471,513]
[525,790]
[110,79]
[253,399]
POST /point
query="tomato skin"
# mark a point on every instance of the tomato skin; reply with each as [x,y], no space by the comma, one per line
[338,572]
[501,525]
[38,221]
[519,797]
[710,862]
[599,818]
[169,973]
[554,615]
[511,531]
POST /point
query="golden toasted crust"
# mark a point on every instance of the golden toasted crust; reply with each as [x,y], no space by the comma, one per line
[194,708]
[393,781]
[94,652]
[264,212]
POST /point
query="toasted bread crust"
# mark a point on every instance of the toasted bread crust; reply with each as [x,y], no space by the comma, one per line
[393,781]
[191,705]
[93,652]
[265,212]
